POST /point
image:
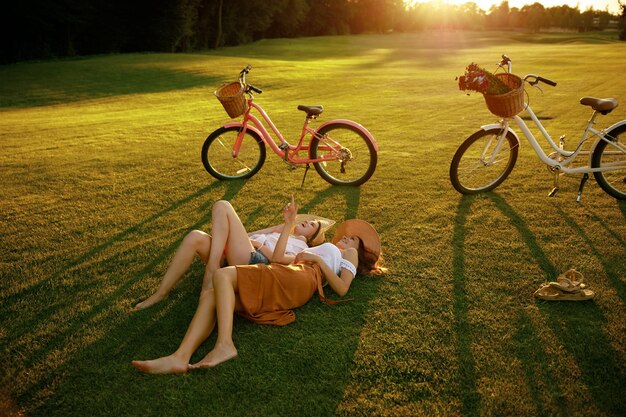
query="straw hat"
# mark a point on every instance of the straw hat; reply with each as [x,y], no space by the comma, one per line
[363,230]
[325,224]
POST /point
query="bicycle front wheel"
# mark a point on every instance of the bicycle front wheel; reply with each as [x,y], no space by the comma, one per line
[606,155]
[218,159]
[350,156]
[475,167]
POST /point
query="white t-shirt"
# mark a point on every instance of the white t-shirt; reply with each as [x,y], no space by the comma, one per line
[294,245]
[331,255]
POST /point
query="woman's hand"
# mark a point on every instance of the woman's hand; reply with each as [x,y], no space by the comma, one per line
[307,257]
[290,211]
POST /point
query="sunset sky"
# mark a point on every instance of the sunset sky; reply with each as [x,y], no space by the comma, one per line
[582,4]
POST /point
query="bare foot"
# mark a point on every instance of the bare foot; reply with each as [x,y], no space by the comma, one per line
[150,301]
[219,354]
[165,365]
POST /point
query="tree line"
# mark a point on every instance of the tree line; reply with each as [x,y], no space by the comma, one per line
[37,29]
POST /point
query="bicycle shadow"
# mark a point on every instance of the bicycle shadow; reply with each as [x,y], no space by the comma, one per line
[351,195]
[101,248]
[97,309]
[603,224]
[470,398]
[622,208]
[600,367]
[533,359]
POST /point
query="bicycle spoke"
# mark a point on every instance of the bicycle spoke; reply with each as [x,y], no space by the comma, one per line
[221,142]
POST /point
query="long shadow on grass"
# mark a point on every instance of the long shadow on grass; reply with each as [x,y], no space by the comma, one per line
[608,226]
[352,196]
[470,399]
[622,207]
[87,79]
[44,284]
[575,325]
[298,370]
[105,308]
[536,365]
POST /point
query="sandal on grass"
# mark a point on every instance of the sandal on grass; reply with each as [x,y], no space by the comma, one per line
[551,293]
[570,281]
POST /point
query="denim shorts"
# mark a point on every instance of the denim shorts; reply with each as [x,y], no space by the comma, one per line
[257,257]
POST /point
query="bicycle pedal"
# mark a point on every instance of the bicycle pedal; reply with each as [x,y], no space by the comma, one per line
[553,192]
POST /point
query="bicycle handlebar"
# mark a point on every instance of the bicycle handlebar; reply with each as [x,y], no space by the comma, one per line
[242,79]
[537,79]
[545,80]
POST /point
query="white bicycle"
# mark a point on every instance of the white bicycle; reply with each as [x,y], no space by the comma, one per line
[486,158]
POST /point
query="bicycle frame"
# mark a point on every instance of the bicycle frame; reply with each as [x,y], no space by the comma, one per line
[569,156]
[285,150]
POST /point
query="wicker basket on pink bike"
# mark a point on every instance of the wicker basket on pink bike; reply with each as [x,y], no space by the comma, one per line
[232,97]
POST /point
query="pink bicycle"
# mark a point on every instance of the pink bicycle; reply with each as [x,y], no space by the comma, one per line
[342,151]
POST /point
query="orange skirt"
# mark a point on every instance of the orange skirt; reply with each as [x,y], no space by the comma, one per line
[268,293]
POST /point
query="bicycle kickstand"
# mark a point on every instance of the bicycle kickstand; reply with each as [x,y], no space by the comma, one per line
[306,169]
[580,188]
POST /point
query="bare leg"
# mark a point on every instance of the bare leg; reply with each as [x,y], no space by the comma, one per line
[227,231]
[226,302]
[200,328]
[195,243]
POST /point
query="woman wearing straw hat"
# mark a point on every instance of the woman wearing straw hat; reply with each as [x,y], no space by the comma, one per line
[232,245]
[267,293]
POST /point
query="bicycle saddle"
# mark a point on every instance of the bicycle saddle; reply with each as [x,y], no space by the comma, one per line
[311,111]
[603,105]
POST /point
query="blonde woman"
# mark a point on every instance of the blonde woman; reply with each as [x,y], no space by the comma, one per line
[230,244]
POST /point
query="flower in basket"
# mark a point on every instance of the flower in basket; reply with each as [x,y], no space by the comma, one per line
[482,81]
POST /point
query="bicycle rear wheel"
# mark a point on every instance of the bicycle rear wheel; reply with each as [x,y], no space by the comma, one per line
[217,154]
[605,155]
[472,170]
[351,154]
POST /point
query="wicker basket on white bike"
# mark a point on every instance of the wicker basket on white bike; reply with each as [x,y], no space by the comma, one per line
[232,97]
[507,104]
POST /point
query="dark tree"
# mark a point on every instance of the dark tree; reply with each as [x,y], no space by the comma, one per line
[535,16]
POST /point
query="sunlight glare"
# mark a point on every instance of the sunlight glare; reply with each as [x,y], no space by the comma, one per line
[612,5]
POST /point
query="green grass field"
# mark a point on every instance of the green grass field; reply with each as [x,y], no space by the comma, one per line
[101,178]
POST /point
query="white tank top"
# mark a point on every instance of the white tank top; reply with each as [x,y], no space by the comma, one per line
[331,255]
[294,245]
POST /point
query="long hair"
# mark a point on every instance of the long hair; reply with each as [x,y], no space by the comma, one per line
[369,262]
[318,237]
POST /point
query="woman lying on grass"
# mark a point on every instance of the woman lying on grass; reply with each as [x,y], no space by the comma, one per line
[267,293]
[231,243]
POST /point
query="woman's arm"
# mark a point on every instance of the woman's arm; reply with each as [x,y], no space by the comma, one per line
[339,283]
[289,213]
